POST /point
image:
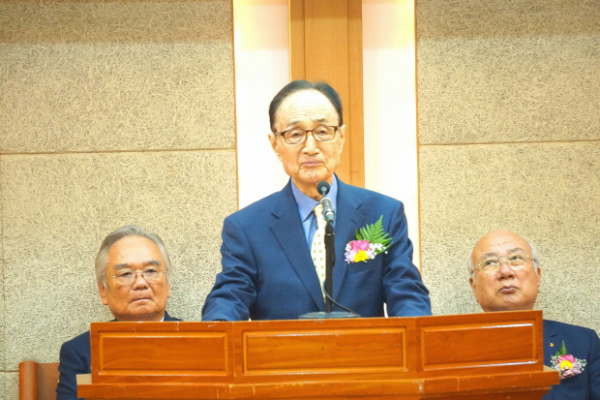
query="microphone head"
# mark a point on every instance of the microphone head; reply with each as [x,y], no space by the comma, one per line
[323,188]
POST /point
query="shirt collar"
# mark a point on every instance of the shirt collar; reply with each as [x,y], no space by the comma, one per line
[307,204]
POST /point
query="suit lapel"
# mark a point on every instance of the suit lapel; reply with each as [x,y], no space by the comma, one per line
[288,230]
[348,220]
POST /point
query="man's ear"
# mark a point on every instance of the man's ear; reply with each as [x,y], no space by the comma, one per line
[102,291]
[342,134]
[273,141]
[539,274]
[473,284]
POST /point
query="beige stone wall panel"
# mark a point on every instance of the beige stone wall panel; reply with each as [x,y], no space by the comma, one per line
[58,208]
[2,322]
[97,21]
[509,90]
[3,388]
[442,19]
[508,71]
[545,192]
[12,386]
[104,76]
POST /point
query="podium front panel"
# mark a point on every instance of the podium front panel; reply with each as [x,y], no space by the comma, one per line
[487,344]
[135,352]
[164,353]
[324,351]
[452,357]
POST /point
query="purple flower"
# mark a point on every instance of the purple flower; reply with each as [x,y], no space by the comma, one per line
[349,256]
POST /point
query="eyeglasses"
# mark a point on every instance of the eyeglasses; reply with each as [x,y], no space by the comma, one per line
[126,277]
[323,133]
[516,261]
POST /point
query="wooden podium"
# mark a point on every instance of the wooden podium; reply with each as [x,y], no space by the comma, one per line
[471,356]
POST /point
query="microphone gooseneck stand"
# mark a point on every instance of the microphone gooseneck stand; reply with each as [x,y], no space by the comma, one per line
[329,263]
[323,188]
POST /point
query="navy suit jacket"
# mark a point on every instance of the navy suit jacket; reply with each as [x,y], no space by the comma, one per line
[268,272]
[75,359]
[582,343]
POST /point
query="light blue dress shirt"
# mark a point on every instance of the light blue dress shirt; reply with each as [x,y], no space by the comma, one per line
[306,205]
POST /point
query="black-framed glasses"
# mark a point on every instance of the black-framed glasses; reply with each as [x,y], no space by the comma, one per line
[322,133]
[517,261]
[126,277]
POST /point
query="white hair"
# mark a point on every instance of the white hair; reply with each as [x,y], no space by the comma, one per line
[113,237]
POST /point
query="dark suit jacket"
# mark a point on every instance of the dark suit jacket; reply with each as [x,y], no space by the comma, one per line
[75,359]
[268,272]
[582,343]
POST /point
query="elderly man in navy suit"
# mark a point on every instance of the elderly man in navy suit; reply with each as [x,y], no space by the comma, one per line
[505,276]
[269,252]
[131,270]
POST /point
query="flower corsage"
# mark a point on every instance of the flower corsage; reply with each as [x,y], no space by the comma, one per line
[567,365]
[370,241]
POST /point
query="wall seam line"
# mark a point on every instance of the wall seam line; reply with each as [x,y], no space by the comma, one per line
[224,150]
[511,143]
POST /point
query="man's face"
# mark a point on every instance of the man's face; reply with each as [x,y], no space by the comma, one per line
[139,301]
[309,162]
[507,288]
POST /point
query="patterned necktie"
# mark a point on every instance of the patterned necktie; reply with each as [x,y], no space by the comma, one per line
[318,246]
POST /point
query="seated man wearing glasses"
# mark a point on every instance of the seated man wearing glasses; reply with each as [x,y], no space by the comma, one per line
[272,251]
[131,270]
[506,276]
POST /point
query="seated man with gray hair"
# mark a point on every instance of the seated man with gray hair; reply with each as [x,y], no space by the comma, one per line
[132,269]
[506,276]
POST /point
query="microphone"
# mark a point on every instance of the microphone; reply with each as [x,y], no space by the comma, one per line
[323,188]
[328,213]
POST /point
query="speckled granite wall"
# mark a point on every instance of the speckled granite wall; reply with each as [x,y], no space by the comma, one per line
[509,96]
[3,385]
[110,113]
[2,309]
[12,386]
